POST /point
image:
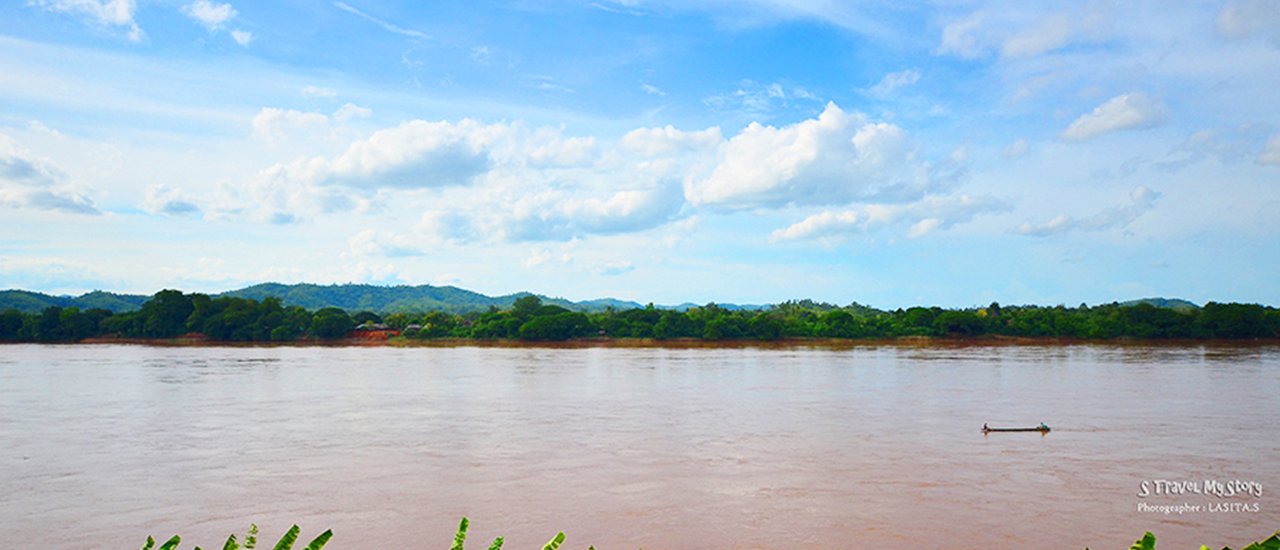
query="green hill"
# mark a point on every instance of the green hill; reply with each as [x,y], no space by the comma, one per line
[350,297]
[405,298]
[33,302]
[1168,303]
[388,299]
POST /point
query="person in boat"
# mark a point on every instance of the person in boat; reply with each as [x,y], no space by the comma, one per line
[985,428]
[1044,427]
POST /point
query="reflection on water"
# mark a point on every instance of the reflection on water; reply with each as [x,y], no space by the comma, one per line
[660,448]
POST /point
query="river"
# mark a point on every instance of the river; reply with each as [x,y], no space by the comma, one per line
[747,447]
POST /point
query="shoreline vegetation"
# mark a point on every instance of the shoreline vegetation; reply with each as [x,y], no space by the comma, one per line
[172,317]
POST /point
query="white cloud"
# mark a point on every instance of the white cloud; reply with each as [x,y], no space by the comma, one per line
[312,91]
[546,147]
[932,213]
[556,215]
[1271,153]
[1052,33]
[613,268]
[961,37]
[1123,112]
[242,37]
[386,25]
[371,242]
[162,199]
[351,111]
[823,224]
[651,89]
[117,13]
[415,154]
[210,14]
[1141,200]
[1228,146]
[272,124]
[509,183]
[666,141]
[28,181]
[761,99]
[894,81]
[833,159]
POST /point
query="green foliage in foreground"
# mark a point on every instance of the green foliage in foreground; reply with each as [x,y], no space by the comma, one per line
[1148,542]
[171,314]
[250,541]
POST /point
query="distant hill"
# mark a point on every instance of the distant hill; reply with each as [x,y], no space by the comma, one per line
[1170,303]
[387,299]
[32,302]
[420,298]
[350,297]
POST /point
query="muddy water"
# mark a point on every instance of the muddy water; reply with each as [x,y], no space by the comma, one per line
[621,448]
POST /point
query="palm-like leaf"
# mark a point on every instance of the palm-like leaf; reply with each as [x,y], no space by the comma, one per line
[171,544]
[151,543]
[320,541]
[232,543]
[497,544]
[461,536]
[251,539]
[290,536]
[554,543]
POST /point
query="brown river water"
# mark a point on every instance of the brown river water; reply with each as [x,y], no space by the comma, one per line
[808,447]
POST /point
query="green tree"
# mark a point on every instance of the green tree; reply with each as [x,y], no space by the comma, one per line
[11,324]
[557,327]
[330,323]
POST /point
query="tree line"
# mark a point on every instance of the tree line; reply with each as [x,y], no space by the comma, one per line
[171,314]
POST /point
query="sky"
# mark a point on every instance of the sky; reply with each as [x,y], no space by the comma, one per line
[945,152]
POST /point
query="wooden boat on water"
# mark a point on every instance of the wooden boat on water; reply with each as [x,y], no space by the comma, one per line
[1042,428]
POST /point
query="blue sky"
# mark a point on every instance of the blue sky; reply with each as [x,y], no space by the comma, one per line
[946,153]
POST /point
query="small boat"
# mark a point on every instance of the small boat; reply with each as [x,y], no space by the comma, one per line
[1042,428]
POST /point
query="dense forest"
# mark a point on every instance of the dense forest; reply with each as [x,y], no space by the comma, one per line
[171,314]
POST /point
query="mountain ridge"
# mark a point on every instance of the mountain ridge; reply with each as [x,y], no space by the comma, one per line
[386,299]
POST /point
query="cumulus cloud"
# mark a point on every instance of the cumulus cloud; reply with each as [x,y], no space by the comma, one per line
[210,14]
[415,154]
[665,141]
[1141,200]
[894,81]
[832,159]
[162,199]
[350,111]
[27,181]
[509,183]
[214,17]
[556,215]
[109,13]
[1271,153]
[1123,112]
[920,218]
